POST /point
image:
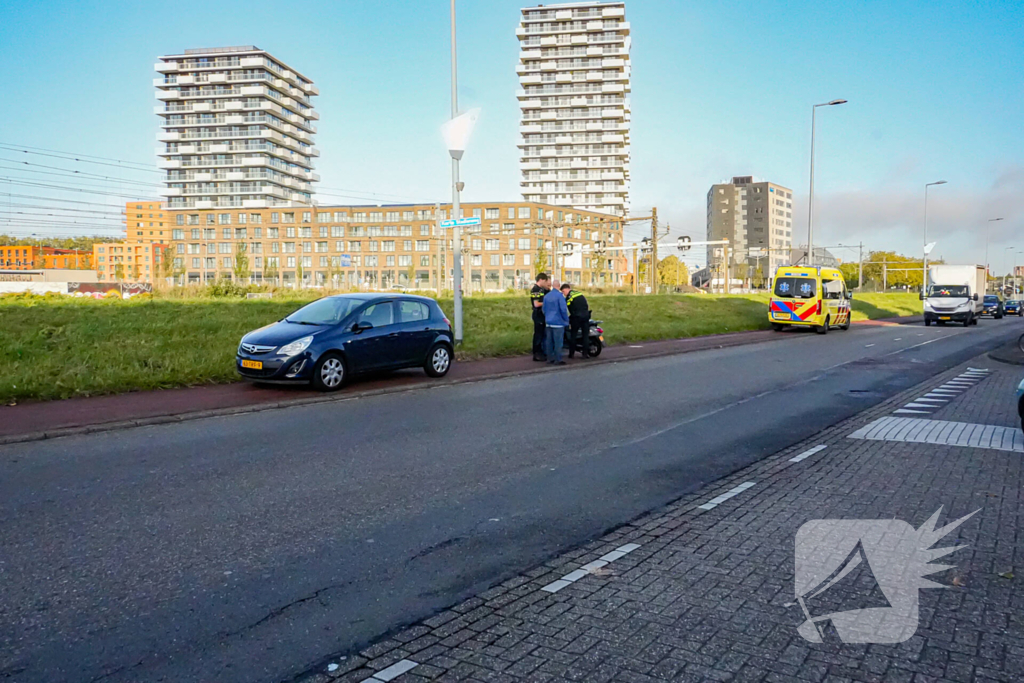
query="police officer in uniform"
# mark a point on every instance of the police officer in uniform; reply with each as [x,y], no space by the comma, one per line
[536,303]
[579,320]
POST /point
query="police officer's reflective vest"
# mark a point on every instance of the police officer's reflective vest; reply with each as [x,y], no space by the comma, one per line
[573,295]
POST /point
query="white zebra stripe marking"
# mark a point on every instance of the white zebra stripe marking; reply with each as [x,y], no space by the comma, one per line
[942,432]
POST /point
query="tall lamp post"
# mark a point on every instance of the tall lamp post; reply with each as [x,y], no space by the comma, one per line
[1005,249]
[988,231]
[810,195]
[456,134]
[924,264]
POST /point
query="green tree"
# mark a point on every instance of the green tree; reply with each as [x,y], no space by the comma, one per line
[672,272]
[299,273]
[119,271]
[270,271]
[541,264]
[241,265]
[410,274]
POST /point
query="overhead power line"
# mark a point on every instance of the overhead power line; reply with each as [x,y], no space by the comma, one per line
[83,158]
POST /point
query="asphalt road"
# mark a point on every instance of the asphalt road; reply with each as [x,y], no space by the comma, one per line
[250,548]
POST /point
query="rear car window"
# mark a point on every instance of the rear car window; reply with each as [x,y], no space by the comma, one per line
[412,311]
[795,287]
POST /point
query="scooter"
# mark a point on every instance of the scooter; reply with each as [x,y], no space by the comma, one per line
[596,339]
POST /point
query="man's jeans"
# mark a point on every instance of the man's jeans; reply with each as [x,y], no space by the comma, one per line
[553,341]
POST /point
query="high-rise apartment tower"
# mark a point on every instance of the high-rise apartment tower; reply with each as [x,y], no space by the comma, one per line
[574,134]
[237,130]
[757,219]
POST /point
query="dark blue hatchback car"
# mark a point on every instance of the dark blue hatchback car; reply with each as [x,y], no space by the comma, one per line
[326,341]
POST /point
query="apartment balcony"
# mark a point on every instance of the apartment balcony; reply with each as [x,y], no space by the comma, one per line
[532,79]
[312,115]
[530,128]
[168,95]
[613,87]
[254,91]
[255,204]
[251,61]
[521,31]
[612,62]
[563,14]
[170,192]
[168,136]
[564,77]
[610,113]
[311,89]
[578,39]
[532,165]
[188,149]
[533,53]
[548,41]
[613,12]
[612,138]
[595,25]
[166,67]
[255,161]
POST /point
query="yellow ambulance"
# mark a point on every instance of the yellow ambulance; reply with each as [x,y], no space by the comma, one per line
[811,296]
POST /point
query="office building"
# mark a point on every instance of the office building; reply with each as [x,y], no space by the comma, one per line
[757,218]
[379,247]
[574,72]
[237,130]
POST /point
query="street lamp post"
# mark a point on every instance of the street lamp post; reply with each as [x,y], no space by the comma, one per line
[810,194]
[924,263]
[988,231]
[456,135]
[1005,249]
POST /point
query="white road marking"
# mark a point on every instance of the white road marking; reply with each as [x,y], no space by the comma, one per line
[898,339]
[904,411]
[808,453]
[925,399]
[578,574]
[919,405]
[936,397]
[394,671]
[942,432]
[921,344]
[868,346]
[717,500]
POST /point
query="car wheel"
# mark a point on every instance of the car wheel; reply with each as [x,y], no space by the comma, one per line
[845,326]
[823,329]
[439,361]
[968,321]
[329,373]
[777,327]
[927,322]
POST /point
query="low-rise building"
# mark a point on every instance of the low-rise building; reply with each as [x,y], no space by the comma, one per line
[19,257]
[129,261]
[393,245]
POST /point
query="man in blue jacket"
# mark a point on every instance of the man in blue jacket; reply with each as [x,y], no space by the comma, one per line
[556,318]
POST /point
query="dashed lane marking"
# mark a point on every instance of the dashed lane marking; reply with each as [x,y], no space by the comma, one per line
[942,432]
[717,500]
[392,672]
[808,453]
[590,567]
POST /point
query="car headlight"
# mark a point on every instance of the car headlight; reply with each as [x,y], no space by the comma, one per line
[927,306]
[296,347]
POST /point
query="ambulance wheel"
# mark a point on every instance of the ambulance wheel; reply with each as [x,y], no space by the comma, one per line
[845,326]
[777,327]
[823,329]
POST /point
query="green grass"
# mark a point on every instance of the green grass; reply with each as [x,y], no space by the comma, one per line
[52,347]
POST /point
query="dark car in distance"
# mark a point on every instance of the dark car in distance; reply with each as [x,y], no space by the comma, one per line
[325,342]
[1013,307]
[992,306]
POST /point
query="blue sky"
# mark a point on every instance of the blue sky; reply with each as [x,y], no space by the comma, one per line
[935,90]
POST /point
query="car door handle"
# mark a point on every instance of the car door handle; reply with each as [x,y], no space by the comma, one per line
[393,334]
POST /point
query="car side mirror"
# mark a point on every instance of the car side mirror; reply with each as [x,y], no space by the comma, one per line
[975,297]
[361,327]
[849,295]
[921,296]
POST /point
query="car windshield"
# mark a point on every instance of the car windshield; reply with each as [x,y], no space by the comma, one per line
[991,299]
[795,287]
[948,290]
[329,311]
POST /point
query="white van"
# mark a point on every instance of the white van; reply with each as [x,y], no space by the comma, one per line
[955,294]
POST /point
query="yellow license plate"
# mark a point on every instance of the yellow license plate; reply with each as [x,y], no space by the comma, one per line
[252,364]
[945,317]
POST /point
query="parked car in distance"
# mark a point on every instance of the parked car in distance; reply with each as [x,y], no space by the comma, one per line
[993,306]
[1013,307]
[325,342]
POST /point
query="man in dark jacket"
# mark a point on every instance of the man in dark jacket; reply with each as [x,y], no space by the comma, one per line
[537,312]
[579,320]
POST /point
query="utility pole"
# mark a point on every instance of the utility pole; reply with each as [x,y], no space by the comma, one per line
[860,267]
[727,265]
[636,268]
[438,238]
[654,250]
[456,191]
[885,275]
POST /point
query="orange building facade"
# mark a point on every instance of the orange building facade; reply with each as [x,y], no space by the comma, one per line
[38,258]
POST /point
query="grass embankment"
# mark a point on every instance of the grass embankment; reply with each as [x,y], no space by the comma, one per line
[57,347]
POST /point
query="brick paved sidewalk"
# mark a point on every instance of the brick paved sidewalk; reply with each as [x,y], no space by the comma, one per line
[698,590]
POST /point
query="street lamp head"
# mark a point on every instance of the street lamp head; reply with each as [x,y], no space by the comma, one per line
[835,102]
[457,130]
[938,182]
